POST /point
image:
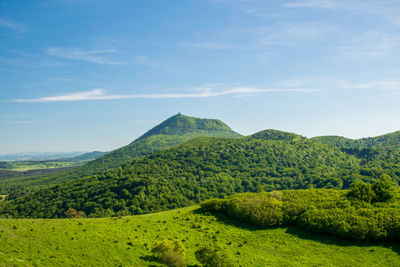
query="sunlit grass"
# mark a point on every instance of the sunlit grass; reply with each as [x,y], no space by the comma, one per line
[128,240]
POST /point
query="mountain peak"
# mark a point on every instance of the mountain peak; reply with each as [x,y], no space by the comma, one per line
[184,125]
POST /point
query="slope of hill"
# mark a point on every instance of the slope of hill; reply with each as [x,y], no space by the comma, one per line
[127,241]
[199,169]
[389,139]
[173,131]
[277,135]
[86,157]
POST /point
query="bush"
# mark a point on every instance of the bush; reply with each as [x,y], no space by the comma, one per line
[74,214]
[214,256]
[324,210]
[170,252]
[384,189]
[361,191]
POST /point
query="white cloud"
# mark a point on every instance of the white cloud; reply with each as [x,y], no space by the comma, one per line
[95,56]
[11,25]
[100,94]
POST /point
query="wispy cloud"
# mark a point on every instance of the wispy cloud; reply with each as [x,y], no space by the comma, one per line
[328,4]
[380,85]
[100,94]
[369,46]
[209,45]
[14,26]
[27,122]
[293,34]
[94,56]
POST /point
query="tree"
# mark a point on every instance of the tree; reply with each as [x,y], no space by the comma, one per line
[170,252]
[384,189]
[73,214]
[361,191]
[213,256]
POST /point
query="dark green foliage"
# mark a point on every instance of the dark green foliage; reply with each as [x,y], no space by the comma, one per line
[384,189]
[277,135]
[175,130]
[170,252]
[391,139]
[200,169]
[213,255]
[316,210]
[361,191]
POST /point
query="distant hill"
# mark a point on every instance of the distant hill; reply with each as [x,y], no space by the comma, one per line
[86,157]
[390,139]
[173,131]
[38,156]
[277,135]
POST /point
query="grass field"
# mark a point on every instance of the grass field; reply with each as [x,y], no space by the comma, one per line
[26,166]
[2,197]
[126,241]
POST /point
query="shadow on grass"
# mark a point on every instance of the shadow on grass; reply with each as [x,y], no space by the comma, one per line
[338,241]
[304,234]
[226,219]
[151,259]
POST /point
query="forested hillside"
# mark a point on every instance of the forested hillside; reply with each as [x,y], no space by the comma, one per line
[173,131]
[389,139]
[200,169]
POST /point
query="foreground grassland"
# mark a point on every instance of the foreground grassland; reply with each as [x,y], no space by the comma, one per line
[127,241]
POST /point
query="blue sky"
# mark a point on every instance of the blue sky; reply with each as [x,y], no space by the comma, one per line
[83,75]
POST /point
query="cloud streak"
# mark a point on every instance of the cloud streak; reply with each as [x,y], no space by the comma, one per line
[369,46]
[94,56]
[11,25]
[100,94]
[327,4]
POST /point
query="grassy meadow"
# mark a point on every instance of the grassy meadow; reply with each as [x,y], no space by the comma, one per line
[32,165]
[127,241]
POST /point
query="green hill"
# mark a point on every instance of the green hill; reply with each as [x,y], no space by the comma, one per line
[277,135]
[389,139]
[183,125]
[127,241]
[173,131]
[87,156]
[202,168]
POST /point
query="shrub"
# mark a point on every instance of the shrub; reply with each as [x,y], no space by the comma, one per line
[361,191]
[214,256]
[170,252]
[384,189]
[73,214]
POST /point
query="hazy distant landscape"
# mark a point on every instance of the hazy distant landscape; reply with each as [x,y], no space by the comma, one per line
[214,133]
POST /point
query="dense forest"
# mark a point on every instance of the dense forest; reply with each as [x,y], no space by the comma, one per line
[354,146]
[200,169]
[173,131]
